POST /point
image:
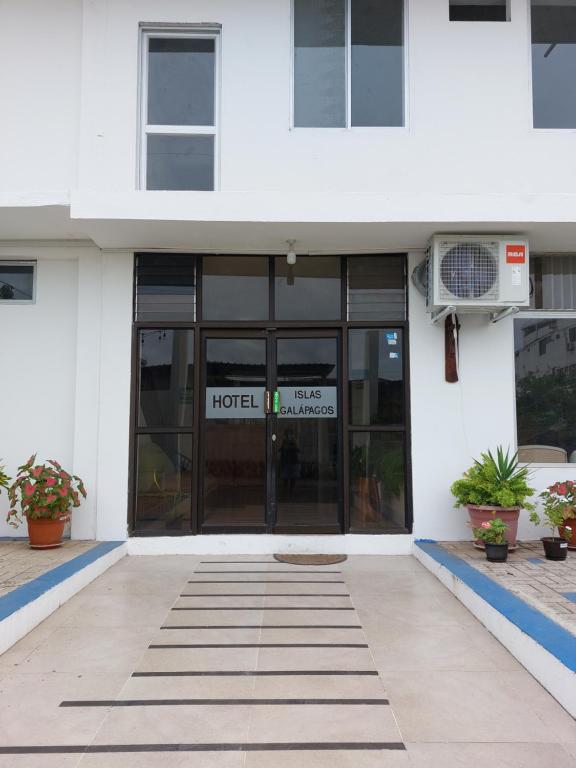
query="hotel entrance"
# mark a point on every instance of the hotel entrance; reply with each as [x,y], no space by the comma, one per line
[270,397]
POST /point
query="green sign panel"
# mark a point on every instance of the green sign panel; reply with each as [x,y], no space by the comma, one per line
[276,402]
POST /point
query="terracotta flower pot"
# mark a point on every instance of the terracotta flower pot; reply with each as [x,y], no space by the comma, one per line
[45,533]
[571,522]
[483,514]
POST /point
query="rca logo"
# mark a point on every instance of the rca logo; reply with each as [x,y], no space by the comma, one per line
[515,254]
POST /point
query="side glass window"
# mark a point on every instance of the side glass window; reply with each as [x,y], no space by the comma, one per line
[376,288]
[17,281]
[235,287]
[479,10]
[308,290]
[554,63]
[545,360]
[165,287]
[375,375]
[553,282]
[180,94]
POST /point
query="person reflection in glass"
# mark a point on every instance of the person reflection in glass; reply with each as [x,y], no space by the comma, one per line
[289,461]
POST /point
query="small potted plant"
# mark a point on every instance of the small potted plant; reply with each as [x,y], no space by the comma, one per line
[495,486]
[44,495]
[557,510]
[493,534]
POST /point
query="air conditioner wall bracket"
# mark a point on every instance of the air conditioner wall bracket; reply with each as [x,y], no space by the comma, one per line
[441,313]
[495,317]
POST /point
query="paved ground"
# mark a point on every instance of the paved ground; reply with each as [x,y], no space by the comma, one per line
[170,651]
[19,564]
[547,585]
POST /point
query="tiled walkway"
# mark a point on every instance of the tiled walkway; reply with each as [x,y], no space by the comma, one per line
[19,564]
[230,662]
[547,585]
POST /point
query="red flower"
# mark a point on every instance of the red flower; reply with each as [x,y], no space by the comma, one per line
[50,481]
[28,489]
[562,489]
[51,498]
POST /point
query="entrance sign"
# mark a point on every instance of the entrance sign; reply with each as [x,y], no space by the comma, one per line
[308,402]
[235,402]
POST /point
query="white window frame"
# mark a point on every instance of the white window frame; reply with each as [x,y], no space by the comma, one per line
[348,74]
[210,32]
[22,263]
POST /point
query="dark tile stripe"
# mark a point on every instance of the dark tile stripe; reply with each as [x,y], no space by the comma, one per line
[222,702]
[261,673]
[269,594]
[311,746]
[265,626]
[265,581]
[259,608]
[260,645]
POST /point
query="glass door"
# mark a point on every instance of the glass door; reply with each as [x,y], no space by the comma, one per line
[270,439]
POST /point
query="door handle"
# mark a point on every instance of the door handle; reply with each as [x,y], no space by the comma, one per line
[267,402]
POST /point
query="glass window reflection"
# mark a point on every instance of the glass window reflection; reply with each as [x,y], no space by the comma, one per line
[235,287]
[308,290]
[375,374]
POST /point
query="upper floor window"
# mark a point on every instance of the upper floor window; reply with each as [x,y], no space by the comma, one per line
[179,110]
[348,63]
[479,10]
[554,63]
[17,281]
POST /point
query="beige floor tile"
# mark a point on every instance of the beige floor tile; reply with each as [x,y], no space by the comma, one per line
[311,617]
[225,589]
[211,601]
[348,659]
[121,610]
[414,609]
[497,755]
[39,761]
[312,635]
[174,725]
[322,723]
[329,759]
[302,601]
[198,659]
[325,588]
[237,687]
[319,687]
[464,707]
[207,636]
[184,564]
[208,618]
[164,760]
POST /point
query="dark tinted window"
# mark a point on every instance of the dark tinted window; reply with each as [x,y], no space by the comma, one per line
[16,281]
[166,378]
[483,10]
[165,287]
[554,63]
[376,288]
[545,356]
[309,290]
[375,371]
[180,163]
[235,287]
[553,282]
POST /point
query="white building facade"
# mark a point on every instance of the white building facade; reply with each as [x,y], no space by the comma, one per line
[159,160]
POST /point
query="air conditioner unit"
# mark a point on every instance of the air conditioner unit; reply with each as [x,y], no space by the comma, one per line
[477,273]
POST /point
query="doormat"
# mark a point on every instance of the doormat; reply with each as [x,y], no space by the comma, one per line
[311,559]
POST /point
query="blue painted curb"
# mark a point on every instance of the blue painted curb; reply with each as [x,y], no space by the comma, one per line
[551,636]
[29,592]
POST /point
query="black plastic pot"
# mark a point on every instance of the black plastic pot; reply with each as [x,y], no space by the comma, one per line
[555,548]
[497,553]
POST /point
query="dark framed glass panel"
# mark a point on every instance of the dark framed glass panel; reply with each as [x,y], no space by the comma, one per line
[235,434]
[320,63]
[375,377]
[235,288]
[307,432]
[308,290]
[180,163]
[553,282]
[377,62]
[181,81]
[481,10]
[376,288]
[165,287]
[163,482]
[554,63]
[16,281]
[377,481]
[166,378]
[545,360]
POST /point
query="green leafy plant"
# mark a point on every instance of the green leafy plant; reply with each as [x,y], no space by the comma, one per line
[492,531]
[43,491]
[559,505]
[494,481]
[4,478]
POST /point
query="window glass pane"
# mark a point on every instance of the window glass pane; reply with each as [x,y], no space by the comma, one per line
[377,473]
[319,63]
[16,281]
[166,378]
[554,63]
[163,482]
[181,81]
[375,370]
[482,10]
[235,287]
[309,290]
[376,288]
[180,162]
[377,62]
[553,282]
[545,355]
[165,287]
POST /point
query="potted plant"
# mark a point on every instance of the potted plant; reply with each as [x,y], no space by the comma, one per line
[557,509]
[4,478]
[493,534]
[495,486]
[44,495]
